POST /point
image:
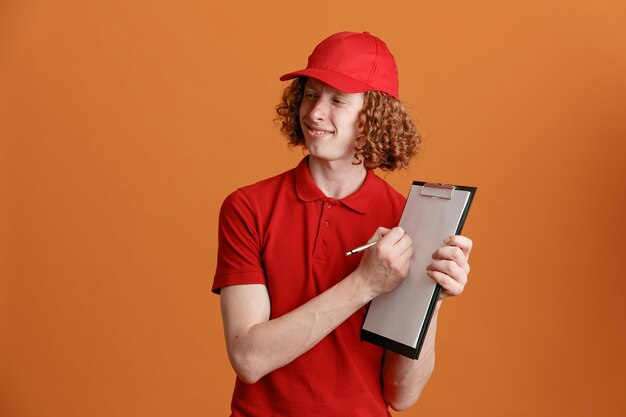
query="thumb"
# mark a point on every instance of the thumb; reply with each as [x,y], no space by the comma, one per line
[378,234]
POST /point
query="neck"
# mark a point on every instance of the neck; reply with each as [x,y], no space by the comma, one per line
[336,179]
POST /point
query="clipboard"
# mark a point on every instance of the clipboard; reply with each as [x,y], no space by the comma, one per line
[398,320]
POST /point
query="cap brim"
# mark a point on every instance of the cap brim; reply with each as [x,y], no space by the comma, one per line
[335,80]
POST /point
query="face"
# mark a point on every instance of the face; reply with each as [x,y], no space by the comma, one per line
[328,118]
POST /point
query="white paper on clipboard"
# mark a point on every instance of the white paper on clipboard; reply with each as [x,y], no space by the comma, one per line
[399,320]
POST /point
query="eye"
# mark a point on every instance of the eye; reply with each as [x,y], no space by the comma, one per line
[310,95]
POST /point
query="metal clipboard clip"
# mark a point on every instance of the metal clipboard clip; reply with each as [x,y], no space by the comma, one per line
[439,190]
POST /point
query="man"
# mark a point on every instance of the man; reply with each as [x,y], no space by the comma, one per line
[292,302]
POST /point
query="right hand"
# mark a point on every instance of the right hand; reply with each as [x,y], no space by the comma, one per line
[384,266]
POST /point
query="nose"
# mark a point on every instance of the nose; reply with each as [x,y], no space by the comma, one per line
[319,111]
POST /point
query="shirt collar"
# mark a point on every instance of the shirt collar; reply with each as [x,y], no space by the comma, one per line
[360,201]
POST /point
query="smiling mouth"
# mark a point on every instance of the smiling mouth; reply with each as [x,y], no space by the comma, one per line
[316,131]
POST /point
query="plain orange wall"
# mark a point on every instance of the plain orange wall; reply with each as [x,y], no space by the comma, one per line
[124,124]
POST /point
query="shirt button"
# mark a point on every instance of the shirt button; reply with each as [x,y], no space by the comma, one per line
[325,223]
[328,205]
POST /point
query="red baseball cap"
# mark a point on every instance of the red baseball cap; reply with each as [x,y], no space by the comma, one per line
[352,62]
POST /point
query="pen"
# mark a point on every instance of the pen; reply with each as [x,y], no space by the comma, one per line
[361,248]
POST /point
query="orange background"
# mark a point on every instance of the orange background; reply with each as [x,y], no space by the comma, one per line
[123,125]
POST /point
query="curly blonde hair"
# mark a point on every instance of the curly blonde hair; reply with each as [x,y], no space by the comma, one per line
[391,138]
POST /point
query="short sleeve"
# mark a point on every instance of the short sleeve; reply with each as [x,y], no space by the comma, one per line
[239,244]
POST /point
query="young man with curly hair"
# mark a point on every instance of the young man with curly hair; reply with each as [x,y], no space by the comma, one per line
[292,302]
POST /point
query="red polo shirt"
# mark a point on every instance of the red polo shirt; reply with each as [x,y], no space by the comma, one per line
[286,234]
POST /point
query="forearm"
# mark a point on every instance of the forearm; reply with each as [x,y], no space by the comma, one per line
[257,345]
[404,378]
[265,345]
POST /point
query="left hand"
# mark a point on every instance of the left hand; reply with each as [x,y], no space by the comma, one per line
[450,266]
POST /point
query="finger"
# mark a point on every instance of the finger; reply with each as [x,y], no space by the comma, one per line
[406,255]
[448,285]
[392,250]
[378,234]
[450,269]
[392,236]
[396,255]
[401,262]
[462,242]
[403,244]
[453,253]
